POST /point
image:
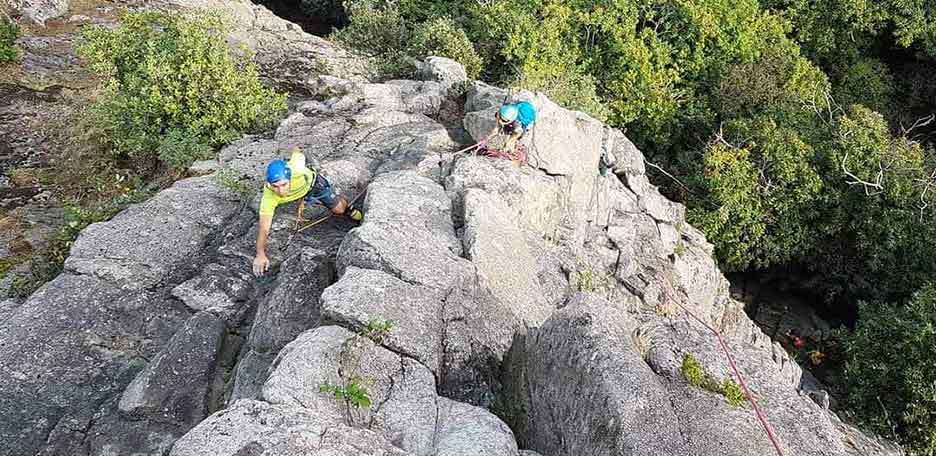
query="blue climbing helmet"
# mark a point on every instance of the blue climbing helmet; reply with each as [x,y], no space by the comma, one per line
[508,112]
[278,170]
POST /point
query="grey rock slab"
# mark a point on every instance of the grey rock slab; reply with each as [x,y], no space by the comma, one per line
[111,432]
[589,390]
[174,386]
[257,428]
[417,97]
[406,233]
[466,430]
[218,290]
[249,375]
[303,366]
[655,204]
[802,426]
[628,159]
[413,203]
[499,250]
[293,305]
[561,143]
[72,345]
[204,167]
[482,96]
[39,11]
[478,332]
[363,295]
[155,242]
[445,71]
[536,200]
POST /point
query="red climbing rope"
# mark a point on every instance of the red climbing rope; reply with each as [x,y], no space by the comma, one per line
[518,154]
[747,392]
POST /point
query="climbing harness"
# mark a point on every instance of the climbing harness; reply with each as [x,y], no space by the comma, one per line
[747,392]
[300,228]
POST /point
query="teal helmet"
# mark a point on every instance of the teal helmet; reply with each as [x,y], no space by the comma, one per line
[509,112]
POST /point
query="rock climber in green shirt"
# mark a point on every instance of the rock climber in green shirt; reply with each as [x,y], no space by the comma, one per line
[289,181]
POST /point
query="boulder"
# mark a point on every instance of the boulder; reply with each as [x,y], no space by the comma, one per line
[402,392]
[417,244]
[39,11]
[285,55]
[549,148]
[157,242]
[464,430]
[362,296]
[218,290]
[447,72]
[589,391]
[252,427]
[536,201]
[404,406]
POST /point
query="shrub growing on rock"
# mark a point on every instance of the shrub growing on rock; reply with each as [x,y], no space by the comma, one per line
[8,33]
[173,85]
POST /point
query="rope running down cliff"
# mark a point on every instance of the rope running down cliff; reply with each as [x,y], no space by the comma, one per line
[747,392]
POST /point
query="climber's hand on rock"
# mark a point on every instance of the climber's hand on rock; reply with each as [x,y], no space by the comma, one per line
[260,264]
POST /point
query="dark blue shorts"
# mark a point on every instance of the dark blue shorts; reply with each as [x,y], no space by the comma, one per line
[321,193]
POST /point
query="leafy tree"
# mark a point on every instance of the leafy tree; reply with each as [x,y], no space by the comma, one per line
[889,372]
[442,37]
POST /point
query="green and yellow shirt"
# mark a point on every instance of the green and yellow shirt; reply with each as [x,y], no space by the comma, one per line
[300,183]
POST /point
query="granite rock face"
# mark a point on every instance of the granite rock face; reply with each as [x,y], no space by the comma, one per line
[479,308]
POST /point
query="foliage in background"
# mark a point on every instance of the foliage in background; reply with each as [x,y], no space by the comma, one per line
[442,37]
[174,88]
[889,372]
[9,31]
[393,41]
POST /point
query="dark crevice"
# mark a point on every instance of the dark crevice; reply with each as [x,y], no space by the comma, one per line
[315,17]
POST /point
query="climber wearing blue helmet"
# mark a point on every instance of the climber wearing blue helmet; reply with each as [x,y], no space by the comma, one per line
[513,120]
[289,181]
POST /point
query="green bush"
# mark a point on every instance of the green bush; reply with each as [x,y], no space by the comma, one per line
[442,37]
[891,361]
[179,149]
[174,86]
[8,33]
[380,33]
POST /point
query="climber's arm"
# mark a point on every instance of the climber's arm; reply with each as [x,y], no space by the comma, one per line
[261,263]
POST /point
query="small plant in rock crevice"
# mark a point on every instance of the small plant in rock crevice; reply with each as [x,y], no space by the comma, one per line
[229,179]
[377,329]
[351,391]
[696,375]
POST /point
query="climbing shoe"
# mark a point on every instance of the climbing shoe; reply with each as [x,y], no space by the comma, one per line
[355,214]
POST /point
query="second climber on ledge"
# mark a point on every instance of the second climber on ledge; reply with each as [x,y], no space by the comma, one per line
[513,120]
